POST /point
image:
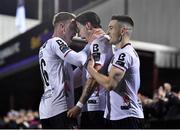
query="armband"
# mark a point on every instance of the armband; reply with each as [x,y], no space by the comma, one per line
[79,104]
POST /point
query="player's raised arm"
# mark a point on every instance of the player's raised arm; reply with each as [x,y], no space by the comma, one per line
[109,82]
[77,59]
[64,52]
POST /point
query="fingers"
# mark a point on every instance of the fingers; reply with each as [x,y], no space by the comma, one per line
[72,113]
[69,114]
[90,58]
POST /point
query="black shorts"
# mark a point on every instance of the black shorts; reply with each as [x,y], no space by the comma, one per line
[92,120]
[60,121]
[126,123]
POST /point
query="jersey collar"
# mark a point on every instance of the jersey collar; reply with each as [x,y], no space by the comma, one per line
[125,45]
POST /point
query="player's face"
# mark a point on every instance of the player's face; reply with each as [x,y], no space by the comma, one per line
[114,31]
[71,30]
[82,30]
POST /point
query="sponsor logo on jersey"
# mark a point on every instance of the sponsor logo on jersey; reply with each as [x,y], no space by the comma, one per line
[62,46]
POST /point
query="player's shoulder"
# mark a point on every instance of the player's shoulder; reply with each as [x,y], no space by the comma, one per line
[101,42]
[128,48]
[103,39]
[58,40]
[127,51]
[121,51]
[45,45]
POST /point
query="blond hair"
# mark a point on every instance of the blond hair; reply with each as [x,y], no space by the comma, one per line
[62,17]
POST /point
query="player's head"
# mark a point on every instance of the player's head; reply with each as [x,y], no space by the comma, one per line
[65,25]
[86,22]
[119,27]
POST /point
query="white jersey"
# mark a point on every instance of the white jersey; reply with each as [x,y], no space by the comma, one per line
[54,59]
[102,54]
[123,102]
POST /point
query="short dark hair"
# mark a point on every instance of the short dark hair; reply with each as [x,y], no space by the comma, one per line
[123,18]
[62,16]
[91,17]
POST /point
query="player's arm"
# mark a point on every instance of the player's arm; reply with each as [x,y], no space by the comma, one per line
[77,73]
[77,77]
[99,55]
[87,91]
[89,87]
[75,58]
[121,62]
[64,52]
[90,84]
[109,82]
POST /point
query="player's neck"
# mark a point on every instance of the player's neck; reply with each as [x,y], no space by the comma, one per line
[57,34]
[123,42]
[54,35]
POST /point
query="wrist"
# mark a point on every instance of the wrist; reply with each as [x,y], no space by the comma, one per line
[79,104]
[91,70]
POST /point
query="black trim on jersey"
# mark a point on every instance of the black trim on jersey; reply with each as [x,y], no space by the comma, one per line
[120,63]
[67,53]
[96,56]
[118,67]
[125,45]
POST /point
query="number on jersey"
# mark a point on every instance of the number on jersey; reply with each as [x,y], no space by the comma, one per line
[44,73]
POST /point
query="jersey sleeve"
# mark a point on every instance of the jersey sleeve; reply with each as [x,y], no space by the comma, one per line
[60,47]
[67,54]
[76,58]
[122,61]
[97,51]
[86,49]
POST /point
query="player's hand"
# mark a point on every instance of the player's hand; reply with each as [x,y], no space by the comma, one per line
[161,92]
[167,87]
[74,112]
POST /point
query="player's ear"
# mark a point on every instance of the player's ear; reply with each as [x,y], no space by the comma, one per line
[88,26]
[124,30]
[62,27]
[121,31]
